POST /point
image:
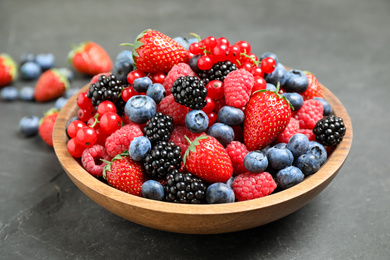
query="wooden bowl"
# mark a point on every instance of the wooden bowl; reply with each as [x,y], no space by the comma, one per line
[201,219]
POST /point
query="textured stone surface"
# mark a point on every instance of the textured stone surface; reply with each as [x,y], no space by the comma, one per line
[344,43]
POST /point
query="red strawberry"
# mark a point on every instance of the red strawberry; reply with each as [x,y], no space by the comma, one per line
[125,174]
[266,115]
[46,126]
[207,159]
[90,58]
[51,84]
[314,88]
[156,52]
[8,70]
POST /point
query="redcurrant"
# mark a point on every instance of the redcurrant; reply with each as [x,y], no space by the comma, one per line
[135,74]
[209,105]
[85,114]
[209,42]
[213,117]
[158,77]
[257,72]
[234,53]
[110,122]
[219,103]
[244,46]
[223,40]
[220,52]
[268,65]
[247,66]
[106,106]
[195,48]
[74,148]
[102,136]
[205,62]
[259,84]
[83,101]
[86,136]
[215,89]
[73,127]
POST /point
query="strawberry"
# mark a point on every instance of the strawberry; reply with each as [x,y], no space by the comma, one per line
[46,125]
[51,84]
[8,69]
[314,88]
[156,52]
[90,58]
[125,174]
[266,115]
[207,159]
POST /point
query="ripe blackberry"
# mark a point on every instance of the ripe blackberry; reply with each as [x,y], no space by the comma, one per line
[163,158]
[190,92]
[159,128]
[106,88]
[218,72]
[184,188]
[330,130]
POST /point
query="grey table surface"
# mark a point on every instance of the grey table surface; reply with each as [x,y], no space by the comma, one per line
[344,43]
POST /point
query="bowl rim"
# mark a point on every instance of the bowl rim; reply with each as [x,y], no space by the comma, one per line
[326,173]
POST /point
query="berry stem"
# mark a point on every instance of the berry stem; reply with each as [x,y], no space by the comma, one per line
[196,36]
[256,63]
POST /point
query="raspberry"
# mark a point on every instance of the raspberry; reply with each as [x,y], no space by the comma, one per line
[309,133]
[237,88]
[310,112]
[291,129]
[237,152]
[168,106]
[119,141]
[314,89]
[91,162]
[247,186]
[179,70]
[177,136]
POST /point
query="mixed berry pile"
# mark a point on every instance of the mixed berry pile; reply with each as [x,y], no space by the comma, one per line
[202,121]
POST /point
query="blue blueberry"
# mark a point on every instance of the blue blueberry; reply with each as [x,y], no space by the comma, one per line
[29,125]
[197,121]
[45,60]
[269,54]
[157,92]
[295,99]
[255,161]
[219,193]
[26,57]
[308,163]
[279,158]
[139,109]
[26,93]
[327,108]
[9,93]
[182,41]
[67,73]
[270,87]
[281,146]
[231,115]
[297,82]
[30,70]
[142,84]
[280,74]
[70,92]
[318,150]
[121,69]
[60,102]
[152,189]
[139,147]
[222,132]
[192,40]
[125,55]
[298,144]
[289,177]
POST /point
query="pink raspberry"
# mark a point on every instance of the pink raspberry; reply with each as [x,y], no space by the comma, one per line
[91,162]
[237,87]
[177,137]
[168,106]
[179,70]
[310,112]
[237,151]
[247,186]
[291,129]
[309,133]
[119,141]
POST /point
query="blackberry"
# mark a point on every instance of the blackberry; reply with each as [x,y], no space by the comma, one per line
[159,128]
[162,159]
[106,88]
[184,188]
[218,72]
[190,92]
[330,130]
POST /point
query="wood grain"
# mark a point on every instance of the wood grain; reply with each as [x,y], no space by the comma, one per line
[201,219]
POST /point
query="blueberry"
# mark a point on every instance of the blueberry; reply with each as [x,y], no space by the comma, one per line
[121,69]
[255,161]
[192,40]
[318,150]
[45,60]
[231,115]
[281,146]
[327,108]
[270,87]
[295,99]
[269,54]
[223,133]
[219,193]
[30,70]
[70,92]
[279,158]
[308,163]
[152,189]
[29,125]
[139,147]
[142,84]
[230,182]
[26,93]
[280,74]
[157,92]
[289,177]
[125,55]
[297,82]
[26,57]
[182,41]
[67,73]
[197,121]
[9,93]
[298,144]
[60,102]
[139,109]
